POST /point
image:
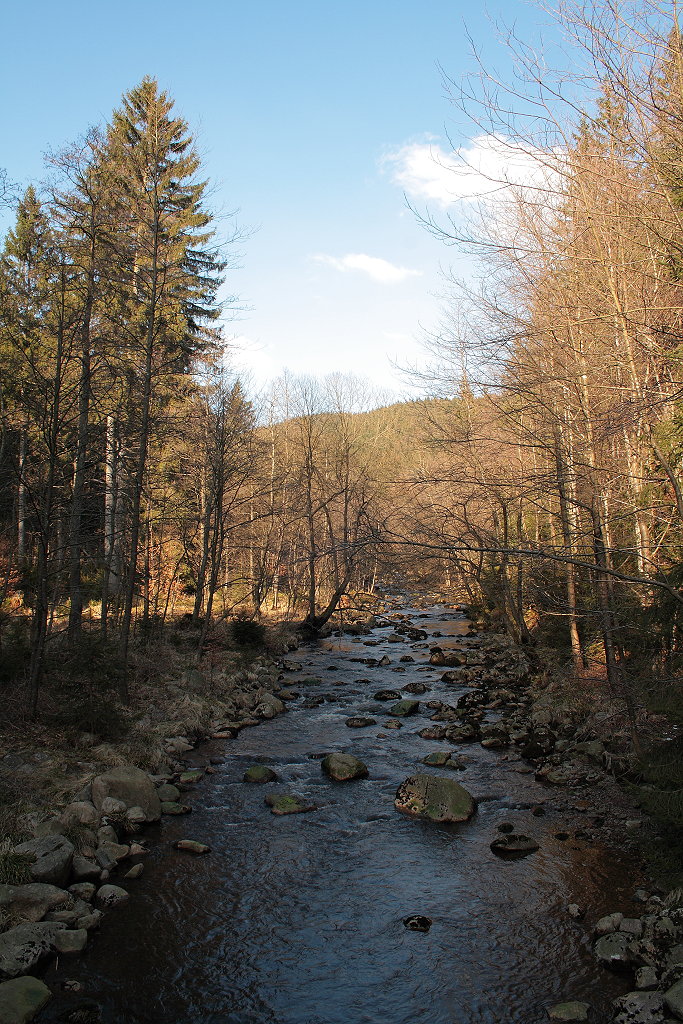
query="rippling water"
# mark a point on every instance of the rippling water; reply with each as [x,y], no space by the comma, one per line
[298,919]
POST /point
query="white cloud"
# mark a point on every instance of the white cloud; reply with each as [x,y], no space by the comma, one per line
[376,268]
[253,358]
[484,169]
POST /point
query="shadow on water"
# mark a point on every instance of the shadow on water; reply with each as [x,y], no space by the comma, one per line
[298,920]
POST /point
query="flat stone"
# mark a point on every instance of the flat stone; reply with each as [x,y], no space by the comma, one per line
[343,767]
[190,777]
[438,759]
[111,896]
[192,846]
[21,999]
[70,943]
[571,1011]
[360,722]
[632,926]
[608,924]
[646,978]
[52,859]
[434,798]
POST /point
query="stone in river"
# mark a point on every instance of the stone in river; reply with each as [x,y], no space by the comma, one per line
[433,732]
[417,923]
[513,845]
[171,807]
[192,846]
[288,803]
[193,775]
[21,999]
[639,1008]
[434,798]
[438,759]
[259,773]
[387,695]
[344,767]
[572,1011]
[404,707]
[360,722]
[418,688]
[395,724]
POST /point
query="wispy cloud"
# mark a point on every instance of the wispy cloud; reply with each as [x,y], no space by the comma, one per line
[486,168]
[375,268]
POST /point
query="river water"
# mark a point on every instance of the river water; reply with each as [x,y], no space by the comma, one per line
[298,919]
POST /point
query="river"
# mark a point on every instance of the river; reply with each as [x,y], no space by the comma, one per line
[299,919]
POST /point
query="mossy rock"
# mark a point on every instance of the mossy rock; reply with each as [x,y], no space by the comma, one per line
[434,798]
[438,759]
[172,807]
[344,767]
[404,707]
[288,803]
[21,999]
[189,777]
[259,773]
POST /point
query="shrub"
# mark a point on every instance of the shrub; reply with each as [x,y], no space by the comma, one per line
[247,632]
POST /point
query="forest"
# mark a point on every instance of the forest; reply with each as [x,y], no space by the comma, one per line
[539,479]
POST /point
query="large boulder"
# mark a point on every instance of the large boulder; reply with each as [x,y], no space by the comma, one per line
[131,785]
[51,859]
[21,999]
[31,902]
[81,812]
[673,999]
[434,798]
[22,948]
[344,767]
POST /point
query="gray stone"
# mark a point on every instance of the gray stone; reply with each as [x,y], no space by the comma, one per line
[269,706]
[31,902]
[608,924]
[639,1008]
[89,921]
[435,798]
[404,707]
[135,871]
[83,890]
[632,926]
[259,773]
[571,1011]
[81,812]
[111,896]
[168,793]
[130,785]
[22,948]
[70,943]
[84,870]
[52,859]
[673,999]
[614,951]
[107,834]
[111,805]
[344,767]
[117,851]
[646,978]
[21,999]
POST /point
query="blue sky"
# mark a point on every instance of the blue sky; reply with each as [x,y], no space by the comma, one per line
[312,119]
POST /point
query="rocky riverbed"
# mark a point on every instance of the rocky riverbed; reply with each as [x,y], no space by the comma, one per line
[481,894]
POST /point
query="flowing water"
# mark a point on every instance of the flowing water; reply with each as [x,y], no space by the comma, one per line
[298,919]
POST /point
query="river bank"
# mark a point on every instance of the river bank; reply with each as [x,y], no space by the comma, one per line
[510,789]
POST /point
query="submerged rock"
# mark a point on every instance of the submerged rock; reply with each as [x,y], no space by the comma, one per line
[360,722]
[259,773]
[434,798]
[513,845]
[344,767]
[572,1011]
[614,951]
[192,846]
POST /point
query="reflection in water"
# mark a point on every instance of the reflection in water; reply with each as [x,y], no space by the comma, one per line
[298,920]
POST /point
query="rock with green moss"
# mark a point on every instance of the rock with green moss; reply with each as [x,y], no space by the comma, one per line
[168,793]
[259,773]
[173,807]
[434,798]
[21,999]
[192,846]
[191,776]
[404,707]
[438,759]
[288,803]
[344,767]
